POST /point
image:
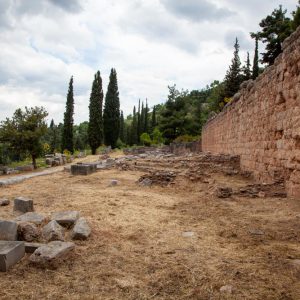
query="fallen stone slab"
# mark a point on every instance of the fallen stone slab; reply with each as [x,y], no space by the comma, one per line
[83,169]
[11,252]
[51,254]
[53,232]
[8,230]
[31,217]
[22,204]
[4,202]
[66,218]
[28,232]
[31,247]
[224,192]
[81,230]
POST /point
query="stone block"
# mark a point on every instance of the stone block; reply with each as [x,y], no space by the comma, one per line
[31,247]
[66,218]
[81,230]
[10,254]
[24,205]
[53,232]
[31,217]
[4,202]
[28,232]
[82,169]
[8,230]
[51,254]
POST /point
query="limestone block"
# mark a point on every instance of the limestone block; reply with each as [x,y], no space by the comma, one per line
[8,230]
[23,205]
[11,252]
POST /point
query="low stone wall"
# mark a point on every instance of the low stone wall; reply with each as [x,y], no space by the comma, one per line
[262,123]
[184,148]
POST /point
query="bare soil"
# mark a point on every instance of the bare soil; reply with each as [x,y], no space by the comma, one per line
[162,242]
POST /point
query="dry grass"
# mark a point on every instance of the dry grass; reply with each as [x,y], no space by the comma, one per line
[137,250]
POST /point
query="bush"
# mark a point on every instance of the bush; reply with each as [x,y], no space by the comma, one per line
[145,139]
[157,137]
[186,138]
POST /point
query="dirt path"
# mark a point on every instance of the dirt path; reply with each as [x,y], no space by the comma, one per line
[175,242]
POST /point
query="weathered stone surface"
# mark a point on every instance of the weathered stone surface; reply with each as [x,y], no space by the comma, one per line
[31,217]
[66,218]
[23,205]
[4,202]
[26,168]
[262,127]
[226,289]
[8,230]
[146,182]
[113,182]
[31,247]
[83,169]
[224,192]
[28,232]
[50,255]
[53,232]
[81,230]
[10,254]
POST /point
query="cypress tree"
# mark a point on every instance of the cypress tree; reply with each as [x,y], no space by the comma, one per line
[122,127]
[142,119]
[111,115]
[255,70]
[247,69]
[134,125]
[95,129]
[139,127]
[233,76]
[67,136]
[153,121]
[146,125]
[53,136]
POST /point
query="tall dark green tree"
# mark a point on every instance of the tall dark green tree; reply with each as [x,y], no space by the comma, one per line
[139,126]
[146,118]
[142,118]
[247,69]
[153,118]
[122,127]
[233,77]
[255,70]
[275,28]
[134,130]
[111,115]
[95,129]
[296,17]
[67,136]
[53,136]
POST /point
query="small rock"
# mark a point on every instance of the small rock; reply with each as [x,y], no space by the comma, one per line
[28,232]
[113,182]
[256,232]
[8,230]
[51,254]
[81,230]
[226,289]
[261,194]
[66,218]
[23,205]
[4,202]
[146,182]
[224,192]
[188,234]
[31,217]
[53,232]
[31,247]
[10,254]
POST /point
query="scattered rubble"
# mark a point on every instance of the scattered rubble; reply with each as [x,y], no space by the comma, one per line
[224,192]
[276,189]
[22,204]
[11,252]
[161,178]
[51,254]
[81,230]
[28,232]
[53,232]
[4,202]
[31,247]
[66,218]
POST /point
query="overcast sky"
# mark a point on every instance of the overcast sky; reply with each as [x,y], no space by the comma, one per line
[151,43]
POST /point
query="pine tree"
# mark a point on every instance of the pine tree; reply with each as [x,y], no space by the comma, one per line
[233,76]
[146,125]
[67,136]
[247,69]
[296,17]
[111,115]
[275,29]
[95,129]
[122,127]
[255,70]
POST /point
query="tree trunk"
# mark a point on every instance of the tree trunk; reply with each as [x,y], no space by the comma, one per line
[34,161]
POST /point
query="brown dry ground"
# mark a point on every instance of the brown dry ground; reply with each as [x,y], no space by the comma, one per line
[137,250]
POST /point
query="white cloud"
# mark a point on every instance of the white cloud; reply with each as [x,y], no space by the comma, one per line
[151,43]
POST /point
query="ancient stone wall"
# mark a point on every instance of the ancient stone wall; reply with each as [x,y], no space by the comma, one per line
[184,148]
[262,123]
